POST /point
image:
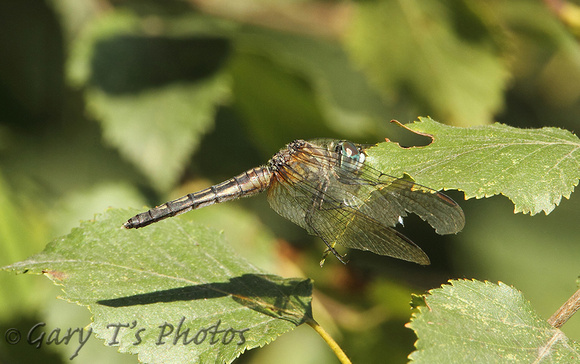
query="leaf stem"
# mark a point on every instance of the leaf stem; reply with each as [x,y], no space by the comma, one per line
[567,310]
[330,341]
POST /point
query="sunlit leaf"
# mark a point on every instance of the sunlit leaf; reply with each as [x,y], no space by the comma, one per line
[545,248]
[532,167]
[482,322]
[174,290]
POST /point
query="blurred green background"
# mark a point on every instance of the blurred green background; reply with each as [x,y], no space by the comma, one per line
[131,103]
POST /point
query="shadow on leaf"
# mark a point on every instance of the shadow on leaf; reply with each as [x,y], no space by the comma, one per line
[287,299]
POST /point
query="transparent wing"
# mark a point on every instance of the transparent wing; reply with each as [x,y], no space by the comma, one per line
[440,211]
[335,221]
[358,207]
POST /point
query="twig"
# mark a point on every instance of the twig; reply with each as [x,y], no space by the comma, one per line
[567,310]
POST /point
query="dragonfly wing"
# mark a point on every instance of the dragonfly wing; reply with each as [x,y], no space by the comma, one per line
[440,211]
[328,190]
[344,218]
[334,214]
[291,201]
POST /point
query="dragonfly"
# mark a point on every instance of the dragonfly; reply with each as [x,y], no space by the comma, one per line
[326,187]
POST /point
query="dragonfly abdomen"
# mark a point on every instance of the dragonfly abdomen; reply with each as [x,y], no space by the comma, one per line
[245,184]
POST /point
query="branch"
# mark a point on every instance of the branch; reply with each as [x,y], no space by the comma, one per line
[567,310]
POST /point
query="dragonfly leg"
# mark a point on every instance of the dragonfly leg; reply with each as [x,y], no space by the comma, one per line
[317,205]
[341,258]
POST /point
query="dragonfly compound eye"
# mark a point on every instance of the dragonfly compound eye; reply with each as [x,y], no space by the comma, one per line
[350,153]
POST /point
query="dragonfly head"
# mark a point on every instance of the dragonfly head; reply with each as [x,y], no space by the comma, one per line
[350,156]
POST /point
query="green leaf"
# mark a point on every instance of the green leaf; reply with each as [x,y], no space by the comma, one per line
[174,290]
[442,54]
[532,167]
[20,223]
[482,322]
[348,103]
[157,130]
[155,95]
[537,254]
[252,237]
[287,110]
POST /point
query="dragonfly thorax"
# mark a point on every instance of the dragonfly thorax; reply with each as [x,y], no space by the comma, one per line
[283,157]
[300,161]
